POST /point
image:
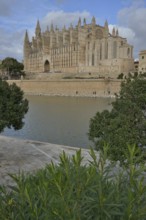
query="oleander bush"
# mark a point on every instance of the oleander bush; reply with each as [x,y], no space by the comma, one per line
[70,190]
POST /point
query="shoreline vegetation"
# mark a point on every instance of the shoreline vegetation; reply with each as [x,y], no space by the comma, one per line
[74,186]
[72,189]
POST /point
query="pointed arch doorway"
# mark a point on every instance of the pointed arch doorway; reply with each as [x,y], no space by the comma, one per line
[47,66]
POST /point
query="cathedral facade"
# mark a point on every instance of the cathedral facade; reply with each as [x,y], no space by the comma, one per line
[86,48]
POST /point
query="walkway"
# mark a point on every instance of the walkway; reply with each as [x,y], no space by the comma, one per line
[28,156]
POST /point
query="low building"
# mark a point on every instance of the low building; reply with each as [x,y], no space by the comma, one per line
[136,66]
[142,61]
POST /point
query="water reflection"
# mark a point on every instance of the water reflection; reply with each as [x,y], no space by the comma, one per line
[60,120]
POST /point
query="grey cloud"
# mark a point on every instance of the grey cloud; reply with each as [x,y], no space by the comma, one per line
[11,45]
[134,19]
[61,18]
[134,3]
[5,7]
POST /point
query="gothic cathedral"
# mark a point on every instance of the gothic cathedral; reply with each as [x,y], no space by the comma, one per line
[86,48]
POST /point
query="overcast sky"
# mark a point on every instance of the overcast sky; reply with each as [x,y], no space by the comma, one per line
[18,15]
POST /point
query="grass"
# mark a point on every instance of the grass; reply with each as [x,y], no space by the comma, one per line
[72,191]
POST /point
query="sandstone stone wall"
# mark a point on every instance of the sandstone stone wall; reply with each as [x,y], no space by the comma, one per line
[90,88]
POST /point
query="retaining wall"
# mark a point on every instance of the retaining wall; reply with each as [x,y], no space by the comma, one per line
[80,87]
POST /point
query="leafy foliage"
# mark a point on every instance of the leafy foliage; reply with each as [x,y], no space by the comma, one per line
[12,106]
[120,76]
[135,91]
[12,67]
[125,123]
[142,74]
[74,191]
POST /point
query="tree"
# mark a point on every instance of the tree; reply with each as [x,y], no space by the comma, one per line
[120,76]
[125,123]
[13,106]
[135,91]
[12,67]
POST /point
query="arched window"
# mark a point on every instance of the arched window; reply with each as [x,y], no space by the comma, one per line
[101,51]
[88,60]
[93,59]
[128,52]
[115,49]
[46,66]
[106,51]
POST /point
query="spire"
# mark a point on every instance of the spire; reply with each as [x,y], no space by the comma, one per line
[106,28]
[33,40]
[79,22]
[27,45]
[117,32]
[52,27]
[113,31]
[84,21]
[26,39]
[71,26]
[38,25]
[106,24]
[56,28]
[47,28]
[38,29]
[33,43]
[64,28]
[93,21]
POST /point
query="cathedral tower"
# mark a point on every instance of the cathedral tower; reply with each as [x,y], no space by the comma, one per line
[38,30]
[26,50]
[106,29]
[27,46]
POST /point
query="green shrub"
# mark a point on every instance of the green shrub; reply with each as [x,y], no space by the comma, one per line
[125,123]
[142,74]
[73,191]
[120,76]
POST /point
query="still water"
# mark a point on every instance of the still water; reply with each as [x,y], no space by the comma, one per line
[60,120]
